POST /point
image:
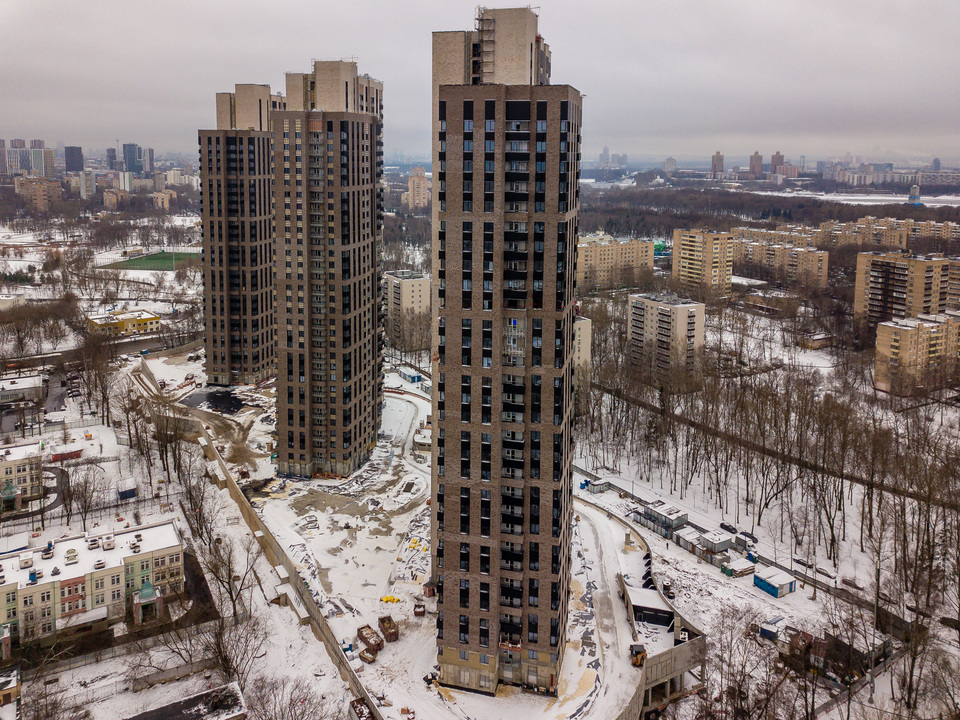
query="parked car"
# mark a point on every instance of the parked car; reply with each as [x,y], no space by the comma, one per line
[728,527]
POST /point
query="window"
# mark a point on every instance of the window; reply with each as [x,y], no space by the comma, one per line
[45,596]
[98,584]
[28,601]
[115,595]
[115,579]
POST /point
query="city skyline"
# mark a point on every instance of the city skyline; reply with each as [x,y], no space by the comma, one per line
[819,92]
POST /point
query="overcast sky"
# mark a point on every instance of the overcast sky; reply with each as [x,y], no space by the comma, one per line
[664,77]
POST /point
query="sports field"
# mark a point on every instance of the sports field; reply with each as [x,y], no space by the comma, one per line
[158,261]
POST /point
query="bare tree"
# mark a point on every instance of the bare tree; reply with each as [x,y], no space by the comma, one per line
[89,490]
[286,698]
[232,568]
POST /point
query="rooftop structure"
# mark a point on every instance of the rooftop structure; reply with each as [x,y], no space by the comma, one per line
[221,703]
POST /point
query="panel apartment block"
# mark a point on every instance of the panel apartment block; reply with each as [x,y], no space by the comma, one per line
[892,285]
[665,331]
[506,157]
[703,261]
[236,181]
[328,217]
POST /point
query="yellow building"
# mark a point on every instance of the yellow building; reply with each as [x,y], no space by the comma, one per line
[39,192]
[914,353]
[98,579]
[133,322]
[703,260]
[606,262]
[20,475]
[418,189]
[805,266]
[892,285]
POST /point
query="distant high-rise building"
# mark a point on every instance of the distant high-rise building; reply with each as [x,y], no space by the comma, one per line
[670,165]
[756,164]
[703,261]
[605,156]
[18,157]
[3,157]
[329,147]
[418,189]
[236,176]
[88,184]
[776,162]
[111,159]
[506,144]
[73,158]
[936,164]
[147,162]
[37,145]
[716,165]
[132,158]
[803,163]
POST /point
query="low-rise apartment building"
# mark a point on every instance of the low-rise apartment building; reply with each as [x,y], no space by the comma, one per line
[666,331]
[606,262]
[90,581]
[21,471]
[23,388]
[133,322]
[914,353]
[703,261]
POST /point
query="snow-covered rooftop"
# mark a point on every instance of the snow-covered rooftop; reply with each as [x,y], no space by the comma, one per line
[19,452]
[159,536]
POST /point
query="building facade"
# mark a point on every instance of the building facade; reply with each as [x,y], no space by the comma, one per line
[329,221]
[605,262]
[20,475]
[703,261]
[915,353]
[666,332]
[39,192]
[756,165]
[893,285]
[236,175]
[102,577]
[506,146]
[806,266]
[406,298]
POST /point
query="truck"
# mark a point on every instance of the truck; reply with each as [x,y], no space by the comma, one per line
[370,637]
[389,628]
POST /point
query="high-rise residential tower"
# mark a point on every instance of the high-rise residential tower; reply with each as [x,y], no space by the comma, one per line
[329,228]
[236,180]
[756,165]
[716,166]
[776,162]
[506,153]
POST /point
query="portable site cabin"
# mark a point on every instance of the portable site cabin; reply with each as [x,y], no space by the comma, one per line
[774,581]
[411,376]
[127,489]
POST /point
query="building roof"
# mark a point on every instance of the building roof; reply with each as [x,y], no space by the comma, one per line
[221,703]
[152,537]
[20,452]
[8,382]
[666,298]
[773,575]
